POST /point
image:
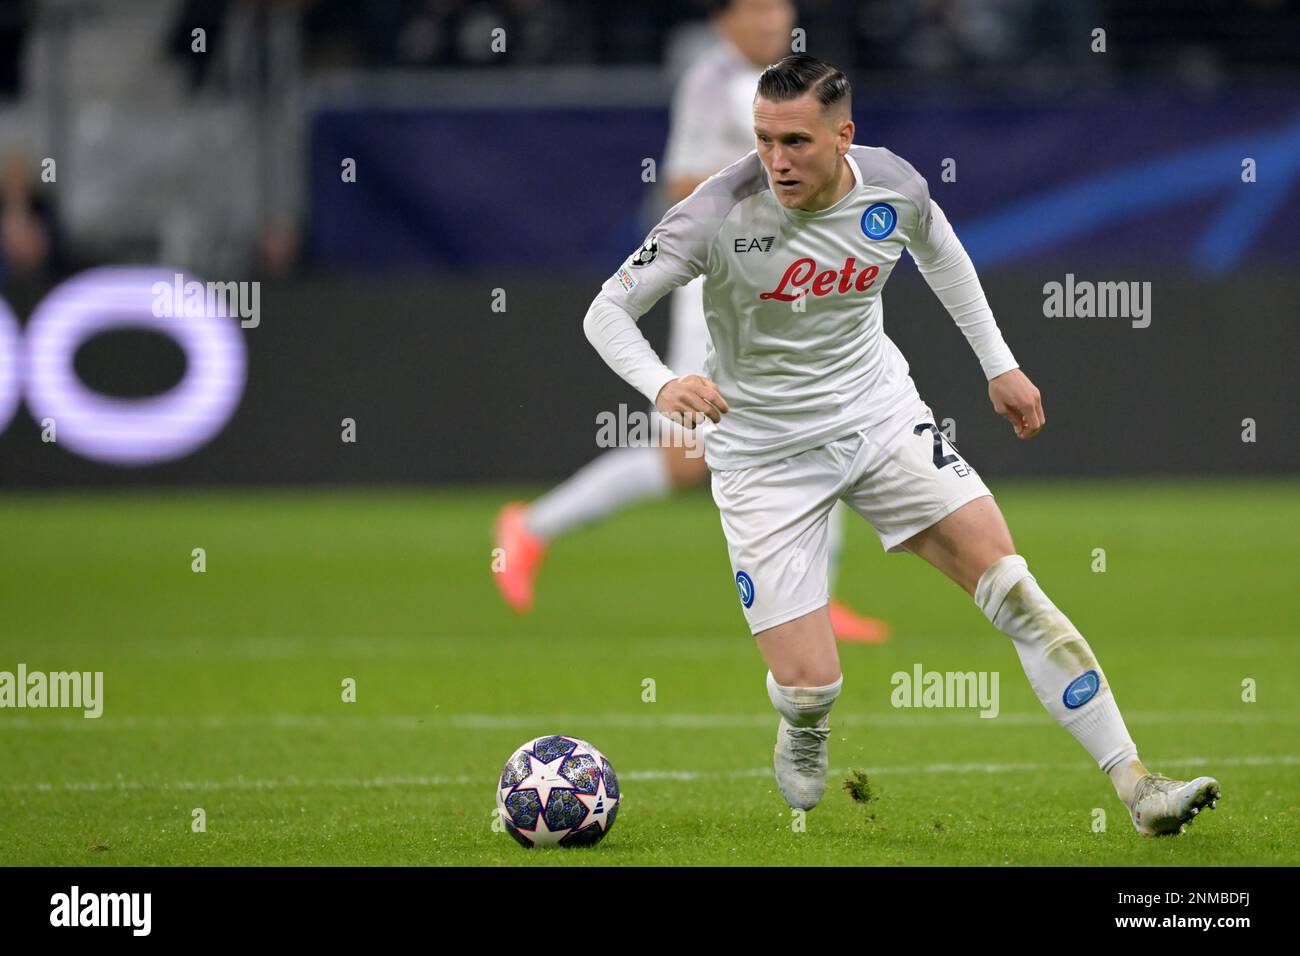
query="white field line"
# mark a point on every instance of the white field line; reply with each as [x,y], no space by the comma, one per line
[638,776]
[703,646]
[543,723]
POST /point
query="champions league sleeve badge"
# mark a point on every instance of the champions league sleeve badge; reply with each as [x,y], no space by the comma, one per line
[646,254]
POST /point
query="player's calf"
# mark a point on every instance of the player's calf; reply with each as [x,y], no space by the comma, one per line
[1061,667]
[1070,683]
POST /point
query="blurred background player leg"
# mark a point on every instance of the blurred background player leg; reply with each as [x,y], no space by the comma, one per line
[847,623]
[625,476]
[615,480]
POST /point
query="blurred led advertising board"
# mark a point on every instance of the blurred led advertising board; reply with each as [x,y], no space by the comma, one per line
[37,365]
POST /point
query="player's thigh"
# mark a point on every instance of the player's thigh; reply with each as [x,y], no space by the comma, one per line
[685,461]
[965,543]
[802,652]
[774,518]
[914,479]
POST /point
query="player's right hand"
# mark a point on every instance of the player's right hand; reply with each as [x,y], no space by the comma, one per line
[1016,399]
[690,399]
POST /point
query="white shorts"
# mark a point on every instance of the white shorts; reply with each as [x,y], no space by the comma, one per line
[902,476]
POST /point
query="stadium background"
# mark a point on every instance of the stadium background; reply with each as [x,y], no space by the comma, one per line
[522,171]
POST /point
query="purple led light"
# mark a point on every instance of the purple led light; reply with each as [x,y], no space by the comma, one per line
[130,431]
[11,386]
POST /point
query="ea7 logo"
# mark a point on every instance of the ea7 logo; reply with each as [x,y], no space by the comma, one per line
[750,243]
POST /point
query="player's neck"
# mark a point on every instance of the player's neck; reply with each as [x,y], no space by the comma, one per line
[836,190]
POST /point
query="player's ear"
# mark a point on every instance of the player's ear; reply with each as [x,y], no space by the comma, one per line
[841,123]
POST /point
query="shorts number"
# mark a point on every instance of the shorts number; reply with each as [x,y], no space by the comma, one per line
[940,459]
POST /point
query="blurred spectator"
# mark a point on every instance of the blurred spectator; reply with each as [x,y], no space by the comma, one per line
[920,37]
[27,226]
[278,247]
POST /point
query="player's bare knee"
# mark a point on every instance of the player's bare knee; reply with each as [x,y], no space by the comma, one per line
[807,677]
[993,552]
[802,652]
[806,670]
[808,674]
[986,543]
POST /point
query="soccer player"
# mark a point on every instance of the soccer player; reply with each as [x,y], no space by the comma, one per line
[808,402]
[711,126]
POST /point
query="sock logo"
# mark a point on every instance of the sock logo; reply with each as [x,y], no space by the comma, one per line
[1081,690]
[745,585]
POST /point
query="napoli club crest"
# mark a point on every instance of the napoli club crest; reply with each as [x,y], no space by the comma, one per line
[745,585]
[1081,690]
[879,220]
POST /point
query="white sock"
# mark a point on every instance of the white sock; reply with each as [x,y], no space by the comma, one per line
[618,478]
[803,706]
[1125,775]
[835,542]
[1054,656]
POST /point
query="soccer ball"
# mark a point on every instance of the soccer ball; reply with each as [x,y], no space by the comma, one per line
[557,790]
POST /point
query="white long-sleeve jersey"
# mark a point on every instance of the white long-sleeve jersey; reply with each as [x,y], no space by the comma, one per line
[792,300]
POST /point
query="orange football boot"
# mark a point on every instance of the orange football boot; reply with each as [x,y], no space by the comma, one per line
[523,552]
[849,625]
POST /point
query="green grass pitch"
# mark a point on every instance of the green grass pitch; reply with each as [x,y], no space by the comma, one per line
[223,689]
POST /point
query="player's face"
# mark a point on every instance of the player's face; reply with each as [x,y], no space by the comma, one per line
[802,146]
[759,29]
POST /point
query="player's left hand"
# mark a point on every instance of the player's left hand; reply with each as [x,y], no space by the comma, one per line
[1016,399]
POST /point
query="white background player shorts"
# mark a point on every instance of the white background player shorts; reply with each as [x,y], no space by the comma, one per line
[688,349]
[902,476]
